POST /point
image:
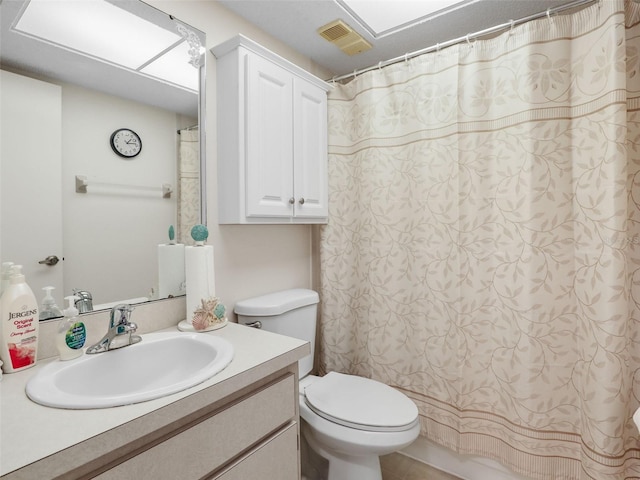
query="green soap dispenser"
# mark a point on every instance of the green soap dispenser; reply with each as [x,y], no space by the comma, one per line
[71,333]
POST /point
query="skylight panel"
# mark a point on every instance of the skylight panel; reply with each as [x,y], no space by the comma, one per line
[382,17]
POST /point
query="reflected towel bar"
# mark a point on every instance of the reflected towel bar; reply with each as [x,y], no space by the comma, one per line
[82,182]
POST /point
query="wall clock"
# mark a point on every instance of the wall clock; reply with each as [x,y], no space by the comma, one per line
[126,143]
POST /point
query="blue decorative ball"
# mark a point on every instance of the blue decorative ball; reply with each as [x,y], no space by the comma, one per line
[172,233]
[219,311]
[199,233]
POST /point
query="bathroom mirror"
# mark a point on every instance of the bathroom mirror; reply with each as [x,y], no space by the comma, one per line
[109,211]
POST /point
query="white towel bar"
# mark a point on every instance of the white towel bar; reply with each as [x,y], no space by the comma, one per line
[82,182]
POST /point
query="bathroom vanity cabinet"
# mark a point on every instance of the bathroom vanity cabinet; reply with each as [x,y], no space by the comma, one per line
[242,424]
[272,138]
[243,439]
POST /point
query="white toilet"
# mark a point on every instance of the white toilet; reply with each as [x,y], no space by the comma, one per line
[348,420]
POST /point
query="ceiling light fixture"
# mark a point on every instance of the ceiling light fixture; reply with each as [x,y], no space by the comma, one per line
[96,28]
[106,32]
[174,66]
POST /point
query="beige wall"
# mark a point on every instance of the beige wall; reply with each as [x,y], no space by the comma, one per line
[249,259]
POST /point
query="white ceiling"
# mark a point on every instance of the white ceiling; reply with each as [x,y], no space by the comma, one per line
[295,22]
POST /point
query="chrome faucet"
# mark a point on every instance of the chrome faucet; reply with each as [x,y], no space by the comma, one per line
[120,331]
[84,302]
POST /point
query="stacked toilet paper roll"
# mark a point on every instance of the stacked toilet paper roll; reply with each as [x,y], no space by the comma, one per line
[171,270]
[199,276]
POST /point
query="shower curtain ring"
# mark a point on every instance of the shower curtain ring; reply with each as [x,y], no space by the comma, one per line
[513,23]
[549,15]
[469,41]
[380,65]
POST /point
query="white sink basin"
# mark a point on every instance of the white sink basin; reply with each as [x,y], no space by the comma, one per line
[161,364]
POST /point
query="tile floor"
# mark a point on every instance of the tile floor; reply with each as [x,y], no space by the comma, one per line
[400,467]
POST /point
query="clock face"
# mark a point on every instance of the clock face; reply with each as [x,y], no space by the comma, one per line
[126,143]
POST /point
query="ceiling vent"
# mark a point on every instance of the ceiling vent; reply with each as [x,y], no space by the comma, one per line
[344,37]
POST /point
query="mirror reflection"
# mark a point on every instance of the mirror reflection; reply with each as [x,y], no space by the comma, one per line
[100,146]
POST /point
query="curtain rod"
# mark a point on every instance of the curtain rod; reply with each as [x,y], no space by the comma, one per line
[192,127]
[467,38]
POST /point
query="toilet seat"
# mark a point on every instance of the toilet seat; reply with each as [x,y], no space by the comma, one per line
[360,403]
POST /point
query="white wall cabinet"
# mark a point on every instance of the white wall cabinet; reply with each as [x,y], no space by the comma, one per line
[272,138]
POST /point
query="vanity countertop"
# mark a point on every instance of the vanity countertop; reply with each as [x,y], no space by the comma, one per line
[30,432]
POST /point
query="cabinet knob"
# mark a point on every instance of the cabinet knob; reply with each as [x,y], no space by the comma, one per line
[301,201]
[292,201]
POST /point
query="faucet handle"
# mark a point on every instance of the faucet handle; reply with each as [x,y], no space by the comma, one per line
[82,293]
[120,330]
[123,312]
[84,301]
[122,307]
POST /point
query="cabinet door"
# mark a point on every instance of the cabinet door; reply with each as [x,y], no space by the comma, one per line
[269,139]
[206,446]
[310,150]
[275,459]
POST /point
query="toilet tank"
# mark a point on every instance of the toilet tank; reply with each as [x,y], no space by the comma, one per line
[288,312]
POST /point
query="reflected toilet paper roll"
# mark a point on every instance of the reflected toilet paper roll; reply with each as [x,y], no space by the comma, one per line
[199,277]
[171,270]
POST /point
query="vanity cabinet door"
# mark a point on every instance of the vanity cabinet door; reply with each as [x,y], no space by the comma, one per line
[215,441]
[277,458]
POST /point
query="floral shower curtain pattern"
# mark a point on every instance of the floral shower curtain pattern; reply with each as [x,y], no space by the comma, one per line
[483,248]
[188,185]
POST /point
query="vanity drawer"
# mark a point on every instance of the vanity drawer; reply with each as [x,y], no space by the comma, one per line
[277,459]
[201,449]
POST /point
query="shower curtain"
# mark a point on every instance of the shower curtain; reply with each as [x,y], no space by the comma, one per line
[483,247]
[188,185]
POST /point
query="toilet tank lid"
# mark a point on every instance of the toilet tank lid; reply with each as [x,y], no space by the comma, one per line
[276,303]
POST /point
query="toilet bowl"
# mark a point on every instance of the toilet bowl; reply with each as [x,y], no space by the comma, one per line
[350,438]
[346,419]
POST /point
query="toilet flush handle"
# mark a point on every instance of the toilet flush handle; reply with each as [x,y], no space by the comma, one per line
[256,324]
